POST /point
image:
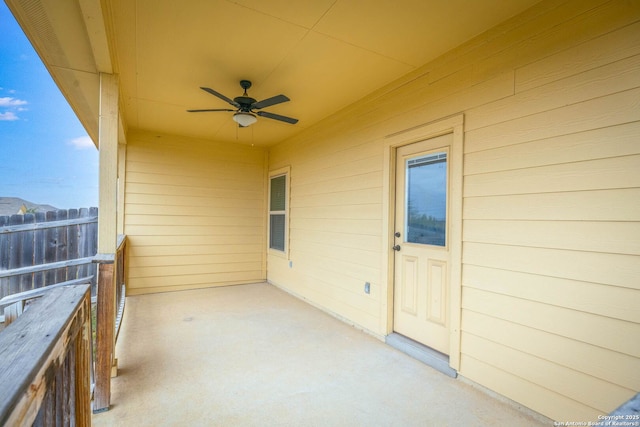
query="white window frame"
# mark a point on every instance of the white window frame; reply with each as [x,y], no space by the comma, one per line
[285,171]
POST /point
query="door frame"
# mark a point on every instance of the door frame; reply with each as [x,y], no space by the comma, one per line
[454,125]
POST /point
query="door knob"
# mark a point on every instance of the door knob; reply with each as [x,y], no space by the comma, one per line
[396,248]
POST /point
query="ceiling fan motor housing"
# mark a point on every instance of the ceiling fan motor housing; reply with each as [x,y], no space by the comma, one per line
[245,102]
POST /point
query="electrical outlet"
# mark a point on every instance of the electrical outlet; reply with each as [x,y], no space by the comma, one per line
[367,288]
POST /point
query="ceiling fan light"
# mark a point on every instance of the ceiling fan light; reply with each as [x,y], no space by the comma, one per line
[244,119]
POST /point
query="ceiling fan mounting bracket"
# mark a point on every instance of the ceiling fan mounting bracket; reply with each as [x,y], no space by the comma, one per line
[245,101]
[245,84]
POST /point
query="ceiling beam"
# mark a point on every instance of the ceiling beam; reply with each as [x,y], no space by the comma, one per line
[95,25]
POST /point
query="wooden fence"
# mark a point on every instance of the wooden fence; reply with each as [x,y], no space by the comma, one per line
[46,248]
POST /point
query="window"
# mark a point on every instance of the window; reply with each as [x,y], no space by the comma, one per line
[426,210]
[278,207]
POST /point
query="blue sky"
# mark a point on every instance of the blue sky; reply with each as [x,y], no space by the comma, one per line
[46,156]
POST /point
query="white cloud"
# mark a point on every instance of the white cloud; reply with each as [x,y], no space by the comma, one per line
[8,116]
[81,143]
[11,102]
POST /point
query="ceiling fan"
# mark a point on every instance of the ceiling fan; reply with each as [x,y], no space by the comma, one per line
[245,113]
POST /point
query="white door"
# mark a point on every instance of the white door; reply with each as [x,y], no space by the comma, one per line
[421,242]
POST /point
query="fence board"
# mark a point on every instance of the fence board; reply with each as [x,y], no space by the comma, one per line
[72,243]
[91,238]
[61,245]
[39,245]
[15,247]
[51,236]
[83,247]
[4,257]
[26,253]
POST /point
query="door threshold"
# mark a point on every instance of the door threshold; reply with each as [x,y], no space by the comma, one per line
[421,352]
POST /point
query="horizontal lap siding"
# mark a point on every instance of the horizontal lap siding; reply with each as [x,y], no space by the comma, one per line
[194,213]
[335,222]
[551,210]
[551,254]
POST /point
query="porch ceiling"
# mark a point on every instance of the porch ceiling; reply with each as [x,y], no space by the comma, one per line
[323,54]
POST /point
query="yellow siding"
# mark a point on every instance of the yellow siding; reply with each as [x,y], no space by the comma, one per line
[551,205]
[194,213]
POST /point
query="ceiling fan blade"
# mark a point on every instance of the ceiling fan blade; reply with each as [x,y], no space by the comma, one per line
[277,117]
[221,96]
[214,109]
[269,102]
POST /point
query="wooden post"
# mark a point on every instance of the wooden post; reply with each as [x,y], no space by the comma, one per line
[107,240]
[82,371]
[122,172]
[105,320]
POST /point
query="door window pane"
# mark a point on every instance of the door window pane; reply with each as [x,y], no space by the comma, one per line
[426,199]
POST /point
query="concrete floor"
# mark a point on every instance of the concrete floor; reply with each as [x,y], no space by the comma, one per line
[253,355]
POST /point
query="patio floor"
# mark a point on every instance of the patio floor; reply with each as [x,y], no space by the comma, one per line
[252,355]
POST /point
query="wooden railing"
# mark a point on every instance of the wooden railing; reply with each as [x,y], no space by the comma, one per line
[14,304]
[120,282]
[45,355]
[111,299]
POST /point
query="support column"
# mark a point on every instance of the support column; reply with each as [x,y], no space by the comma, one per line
[108,150]
[122,172]
[107,240]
